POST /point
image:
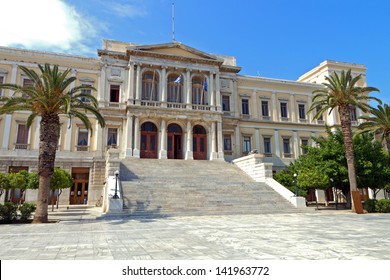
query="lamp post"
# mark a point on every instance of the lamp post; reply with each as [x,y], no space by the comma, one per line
[116,184]
[296,184]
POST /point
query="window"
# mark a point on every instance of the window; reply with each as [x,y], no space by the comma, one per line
[114,93]
[82,141]
[302,111]
[286,147]
[264,108]
[225,103]
[175,88]
[267,146]
[150,85]
[321,117]
[227,143]
[304,144]
[245,106]
[112,137]
[21,137]
[86,91]
[27,83]
[1,82]
[198,91]
[247,144]
[353,114]
[283,110]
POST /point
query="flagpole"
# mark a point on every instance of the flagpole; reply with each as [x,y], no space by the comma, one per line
[173,21]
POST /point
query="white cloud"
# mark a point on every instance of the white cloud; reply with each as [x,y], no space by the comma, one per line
[47,25]
[129,10]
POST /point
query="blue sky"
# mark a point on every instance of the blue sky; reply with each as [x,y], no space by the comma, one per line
[277,39]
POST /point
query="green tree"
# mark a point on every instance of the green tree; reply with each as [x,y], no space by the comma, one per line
[341,92]
[379,123]
[48,97]
[4,183]
[19,181]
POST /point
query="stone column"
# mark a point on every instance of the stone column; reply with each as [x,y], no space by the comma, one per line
[238,141]
[311,114]
[99,139]
[213,153]
[189,153]
[274,107]
[188,89]
[136,151]
[68,136]
[313,143]
[138,86]
[257,138]
[163,87]
[220,140]
[296,144]
[37,132]
[14,73]
[7,129]
[163,140]
[236,107]
[277,145]
[102,85]
[255,114]
[218,93]
[292,106]
[128,136]
[130,85]
[211,90]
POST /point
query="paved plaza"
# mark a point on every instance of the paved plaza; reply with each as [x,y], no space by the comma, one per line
[84,233]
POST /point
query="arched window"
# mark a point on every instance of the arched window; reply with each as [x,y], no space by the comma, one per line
[198,92]
[148,126]
[175,88]
[150,85]
[174,128]
[198,129]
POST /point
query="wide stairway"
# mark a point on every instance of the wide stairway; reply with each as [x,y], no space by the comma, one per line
[181,188]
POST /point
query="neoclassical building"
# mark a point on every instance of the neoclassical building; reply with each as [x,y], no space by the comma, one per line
[166,101]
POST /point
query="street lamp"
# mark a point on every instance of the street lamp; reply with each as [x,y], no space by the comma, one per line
[296,184]
[116,184]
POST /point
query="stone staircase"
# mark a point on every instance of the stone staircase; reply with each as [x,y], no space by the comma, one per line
[185,188]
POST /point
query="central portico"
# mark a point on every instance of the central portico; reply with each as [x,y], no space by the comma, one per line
[173,99]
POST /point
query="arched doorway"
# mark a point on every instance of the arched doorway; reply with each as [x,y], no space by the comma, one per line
[175,142]
[148,140]
[199,142]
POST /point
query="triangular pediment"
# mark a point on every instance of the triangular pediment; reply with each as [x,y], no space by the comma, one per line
[174,49]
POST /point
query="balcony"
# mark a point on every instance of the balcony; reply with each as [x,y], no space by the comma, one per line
[82,148]
[176,105]
[265,118]
[284,119]
[150,103]
[245,116]
[201,107]
[21,146]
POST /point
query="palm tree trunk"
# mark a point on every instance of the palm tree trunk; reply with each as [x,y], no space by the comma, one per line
[48,137]
[388,143]
[350,156]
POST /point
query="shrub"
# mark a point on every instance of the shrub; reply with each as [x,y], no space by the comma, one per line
[383,206]
[26,209]
[370,205]
[8,211]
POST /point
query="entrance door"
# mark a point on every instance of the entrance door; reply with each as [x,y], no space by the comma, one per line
[174,142]
[148,140]
[199,143]
[79,190]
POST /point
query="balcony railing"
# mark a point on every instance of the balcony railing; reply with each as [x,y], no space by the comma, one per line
[176,105]
[266,118]
[269,155]
[150,103]
[245,116]
[20,146]
[82,148]
[201,107]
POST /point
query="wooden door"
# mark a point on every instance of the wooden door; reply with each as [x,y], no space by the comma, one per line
[199,143]
[148,144]
[79,192]
[174,142]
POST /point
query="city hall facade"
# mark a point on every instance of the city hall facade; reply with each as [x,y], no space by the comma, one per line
[165,101]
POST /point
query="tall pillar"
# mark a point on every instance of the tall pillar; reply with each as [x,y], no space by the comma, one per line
[138,86]
[37,132]
[255,114]
[213,153]
[237,109]
[102,85]
[137,136]
[189,153]
[7,129]
[313,143]
[130,85]
[68,135]
[311,114]
[163,86]
[129,135]
[13,78]
[99,140]
[211,90]
[274,108]
[163,140]
[257,138]
[218,93]
[292,106]
[220,140]
[277,145]
[188,89]
[237,141]
[296,144]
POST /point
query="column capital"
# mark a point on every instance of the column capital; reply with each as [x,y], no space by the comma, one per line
[188,69]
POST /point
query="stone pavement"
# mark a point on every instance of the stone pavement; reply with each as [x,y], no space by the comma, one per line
[84,233]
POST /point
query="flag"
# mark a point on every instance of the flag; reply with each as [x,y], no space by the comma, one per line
[178,80]
[205,85]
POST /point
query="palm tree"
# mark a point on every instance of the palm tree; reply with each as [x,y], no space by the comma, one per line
[49,96]
[341,92]
[379,123]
